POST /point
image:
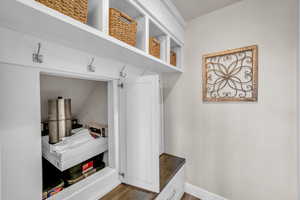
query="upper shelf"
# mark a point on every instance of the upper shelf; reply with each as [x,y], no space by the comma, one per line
[32,18]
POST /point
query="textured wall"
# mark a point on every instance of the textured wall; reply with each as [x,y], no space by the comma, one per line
[242,151]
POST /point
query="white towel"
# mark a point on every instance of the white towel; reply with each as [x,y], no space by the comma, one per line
[80,137]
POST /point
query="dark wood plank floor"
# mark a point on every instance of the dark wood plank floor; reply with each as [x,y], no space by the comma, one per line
[127,192]
[169,166]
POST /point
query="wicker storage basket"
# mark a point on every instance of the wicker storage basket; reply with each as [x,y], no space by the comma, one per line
[77,9]
[173,59]
[122,26]
[154,47]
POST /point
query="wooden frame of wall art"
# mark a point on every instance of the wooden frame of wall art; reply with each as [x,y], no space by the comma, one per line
[231,76]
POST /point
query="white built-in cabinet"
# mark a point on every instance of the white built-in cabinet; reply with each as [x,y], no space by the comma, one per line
[134,116]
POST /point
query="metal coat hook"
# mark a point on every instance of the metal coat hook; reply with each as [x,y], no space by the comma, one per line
[37,57]
[123,74]
[91,67]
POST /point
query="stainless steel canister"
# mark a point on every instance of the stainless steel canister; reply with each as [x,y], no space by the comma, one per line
[60,119]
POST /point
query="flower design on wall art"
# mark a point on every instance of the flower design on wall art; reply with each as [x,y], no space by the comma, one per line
[231,75]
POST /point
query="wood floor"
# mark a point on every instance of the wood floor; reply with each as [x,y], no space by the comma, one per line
[189,197]
[169,166]
[127,192]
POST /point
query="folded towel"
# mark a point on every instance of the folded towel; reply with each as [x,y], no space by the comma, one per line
[80,137]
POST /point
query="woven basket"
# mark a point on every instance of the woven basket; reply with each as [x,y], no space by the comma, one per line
[77,9]
[173,59]
[122,26]
[154,47]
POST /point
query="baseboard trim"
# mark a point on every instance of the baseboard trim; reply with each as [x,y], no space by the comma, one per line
[201,193]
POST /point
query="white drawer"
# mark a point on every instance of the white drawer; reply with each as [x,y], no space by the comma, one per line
[175,188]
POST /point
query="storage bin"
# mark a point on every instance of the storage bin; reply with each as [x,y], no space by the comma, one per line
[173,59]
[122,26]
[77,9]
[154,47]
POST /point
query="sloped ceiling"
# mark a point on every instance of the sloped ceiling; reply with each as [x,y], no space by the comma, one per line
[76,89]
[191,9]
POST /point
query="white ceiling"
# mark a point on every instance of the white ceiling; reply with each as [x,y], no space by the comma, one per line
[191,9]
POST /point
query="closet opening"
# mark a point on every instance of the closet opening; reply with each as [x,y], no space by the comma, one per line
[77,132]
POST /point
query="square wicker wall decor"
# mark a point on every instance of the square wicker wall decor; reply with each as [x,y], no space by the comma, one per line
[231,76]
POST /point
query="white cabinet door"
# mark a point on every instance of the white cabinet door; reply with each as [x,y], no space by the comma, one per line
[20,135]
[142,132]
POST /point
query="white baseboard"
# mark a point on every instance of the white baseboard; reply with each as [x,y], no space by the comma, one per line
[201,193]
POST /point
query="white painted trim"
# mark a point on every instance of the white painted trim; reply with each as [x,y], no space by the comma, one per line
[298,103]
[174,11]
[201,193]
[113,127]
[0,170]
[91,188]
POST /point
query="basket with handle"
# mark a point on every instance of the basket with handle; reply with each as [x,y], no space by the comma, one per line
[154,47]
[77,9]
[122,26]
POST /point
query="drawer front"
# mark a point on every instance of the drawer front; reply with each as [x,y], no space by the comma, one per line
[179,184]
[175,188]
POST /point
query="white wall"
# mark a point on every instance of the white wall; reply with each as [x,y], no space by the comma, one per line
[89,98]
[95,108]
[242,151]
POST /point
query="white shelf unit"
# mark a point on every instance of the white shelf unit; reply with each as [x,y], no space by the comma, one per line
[157,32]
[177,48]
[35,19]
[98,14]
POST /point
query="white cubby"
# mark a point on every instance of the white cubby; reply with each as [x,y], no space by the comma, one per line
[135,13]
[157,32]
[98,14]
[89,104]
